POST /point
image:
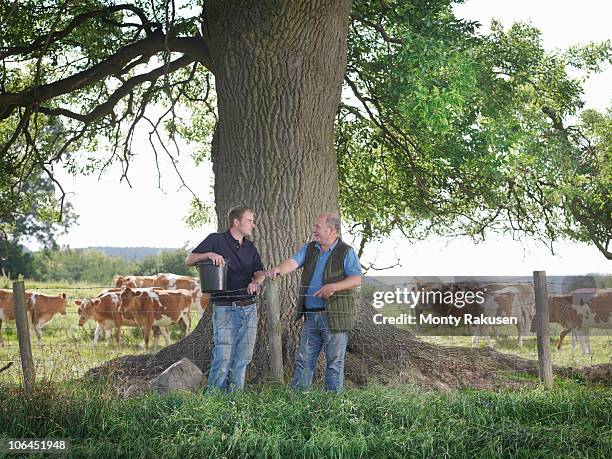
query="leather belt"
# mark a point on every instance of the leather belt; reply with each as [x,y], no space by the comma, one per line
[242,303]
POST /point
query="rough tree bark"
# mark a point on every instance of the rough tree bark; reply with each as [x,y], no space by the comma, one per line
[278,70]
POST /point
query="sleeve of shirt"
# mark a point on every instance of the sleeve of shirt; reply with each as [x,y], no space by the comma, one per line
[257,264]
[352,267]
[207,245]
[300,256]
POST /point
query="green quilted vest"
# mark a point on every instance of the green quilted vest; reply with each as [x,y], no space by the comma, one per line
[338,307]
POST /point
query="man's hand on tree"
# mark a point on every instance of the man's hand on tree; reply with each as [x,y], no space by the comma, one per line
[253,288]
[273,273]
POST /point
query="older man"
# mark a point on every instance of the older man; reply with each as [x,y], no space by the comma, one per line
[331,272]
[234,311]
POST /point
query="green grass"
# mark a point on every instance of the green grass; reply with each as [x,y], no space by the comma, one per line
[569,420]
[601,342]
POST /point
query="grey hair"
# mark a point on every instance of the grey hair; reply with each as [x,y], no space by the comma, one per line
[333,221]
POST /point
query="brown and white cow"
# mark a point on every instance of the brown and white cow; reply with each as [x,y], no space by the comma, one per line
[169,281]
[135,281]
[157,307]
[515,300]
[104,310]
[44,308]
[41,307]
[579,318]
[562,311]
[200,300]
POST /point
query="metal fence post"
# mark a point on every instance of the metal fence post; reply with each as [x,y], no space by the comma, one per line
[542,321]
[274,330]
[23,335]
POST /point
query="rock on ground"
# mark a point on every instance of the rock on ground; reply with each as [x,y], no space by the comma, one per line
[182,375]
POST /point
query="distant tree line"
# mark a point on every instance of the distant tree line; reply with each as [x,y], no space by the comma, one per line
[88,266]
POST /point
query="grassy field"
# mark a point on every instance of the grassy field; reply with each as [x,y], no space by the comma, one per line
[569,420]
[601,341]
[67,352]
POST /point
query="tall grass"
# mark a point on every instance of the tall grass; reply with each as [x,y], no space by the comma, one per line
[570,420]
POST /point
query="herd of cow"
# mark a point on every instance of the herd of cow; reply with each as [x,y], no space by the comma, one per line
[577,312]
[152,303]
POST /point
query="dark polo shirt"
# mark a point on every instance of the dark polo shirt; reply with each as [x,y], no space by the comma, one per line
[244,261]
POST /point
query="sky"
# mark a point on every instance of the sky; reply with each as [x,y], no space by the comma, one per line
[113,214]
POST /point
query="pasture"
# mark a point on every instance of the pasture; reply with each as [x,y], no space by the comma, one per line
[601,341]
[67,352]
[571,419]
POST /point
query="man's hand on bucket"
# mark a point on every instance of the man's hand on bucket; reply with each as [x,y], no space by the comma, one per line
[217,259]
[253,288]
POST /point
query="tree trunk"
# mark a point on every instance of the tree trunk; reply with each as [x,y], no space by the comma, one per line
[279,68]
[278,72]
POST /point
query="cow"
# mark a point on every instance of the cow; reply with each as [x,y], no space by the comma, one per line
[169,281]
[200,300]
[44,308]
[104,310]
[119,280]
[157,307]
[6,309]
[580,317]
[135,281]
[40,306]
[507,300]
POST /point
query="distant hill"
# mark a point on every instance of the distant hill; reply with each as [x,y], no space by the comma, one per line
[130,253]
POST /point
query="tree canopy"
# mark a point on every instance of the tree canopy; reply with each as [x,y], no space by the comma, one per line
[442,129]
[455,132]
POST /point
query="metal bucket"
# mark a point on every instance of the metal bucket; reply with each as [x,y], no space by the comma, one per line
[213,278]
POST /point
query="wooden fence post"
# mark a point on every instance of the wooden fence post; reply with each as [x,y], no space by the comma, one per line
[542,321]
[274,330]
[23,335]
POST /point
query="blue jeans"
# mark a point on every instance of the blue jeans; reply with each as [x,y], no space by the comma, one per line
[235,330]
[315,335]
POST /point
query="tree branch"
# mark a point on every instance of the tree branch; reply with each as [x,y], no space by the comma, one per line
[379,28]
[590,229]
[106,107]
[114,64]
[76,22]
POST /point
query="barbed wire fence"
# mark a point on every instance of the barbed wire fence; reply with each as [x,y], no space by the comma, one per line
[67,350]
